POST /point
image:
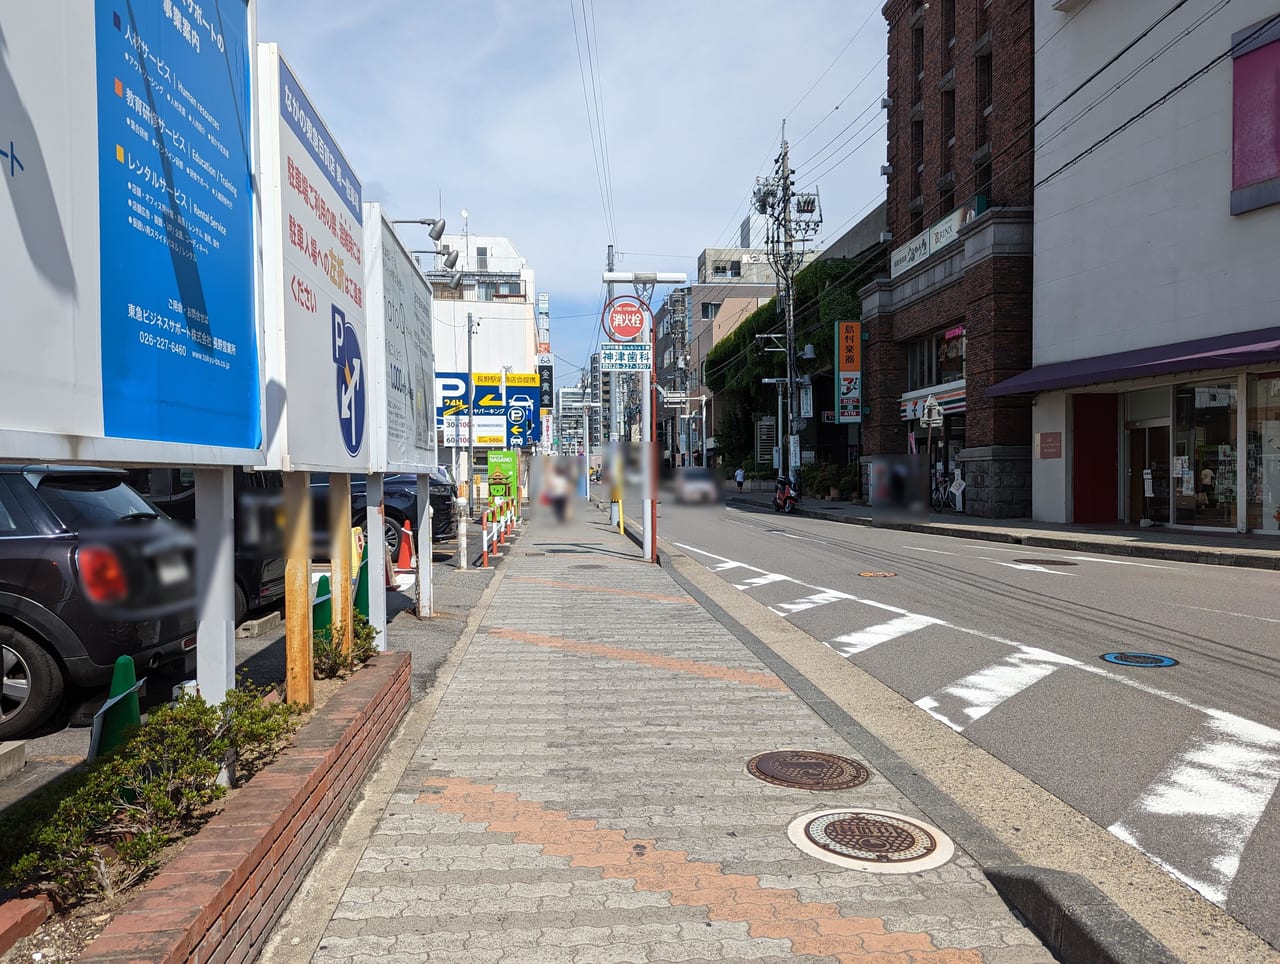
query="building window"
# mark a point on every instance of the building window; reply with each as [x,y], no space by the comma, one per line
[917,157]
[917,223]
[982,181]
[1255,117]
[709,310]
[936,359]
[1204,454]
[949,23]
[482,259]
[1262,465]
[917,64]
[985,80]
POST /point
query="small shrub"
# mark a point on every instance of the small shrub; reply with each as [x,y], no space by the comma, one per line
[328,660]
[104,826]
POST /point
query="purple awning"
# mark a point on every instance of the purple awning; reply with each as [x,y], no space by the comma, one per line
[1220,351]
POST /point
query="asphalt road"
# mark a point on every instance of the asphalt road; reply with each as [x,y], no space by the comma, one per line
[1005,645]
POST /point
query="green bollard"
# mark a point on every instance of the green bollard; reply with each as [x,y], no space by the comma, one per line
[123,714]
[362,584]
[322,608]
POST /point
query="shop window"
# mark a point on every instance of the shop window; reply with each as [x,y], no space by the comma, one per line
[1204,454]
[1262,455]
[950,347]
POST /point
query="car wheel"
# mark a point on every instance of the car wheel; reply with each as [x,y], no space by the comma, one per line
[30,683]
[242,605]
[391,533]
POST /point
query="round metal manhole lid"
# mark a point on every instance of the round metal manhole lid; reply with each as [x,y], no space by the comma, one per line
[877,575]
[807,770]
[1046,562]
[1145,660]
[872,840]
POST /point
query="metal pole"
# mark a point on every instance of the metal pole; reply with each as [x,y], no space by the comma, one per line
[789,306]
[471,420]
[215,577]
[649,419]
[615,427]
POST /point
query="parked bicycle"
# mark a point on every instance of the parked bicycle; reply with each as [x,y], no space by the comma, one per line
[942,498]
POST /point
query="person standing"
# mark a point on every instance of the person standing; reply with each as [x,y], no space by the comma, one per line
[739,476]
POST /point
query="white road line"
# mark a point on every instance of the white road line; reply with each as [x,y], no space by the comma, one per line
[1121,562]
[923,549]
[990,548]
[1226,612]
[1024,566]
[1215,791]
[763,580]
[851,644]
[811,602]
[973,697]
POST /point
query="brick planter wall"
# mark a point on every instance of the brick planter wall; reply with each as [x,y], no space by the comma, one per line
[219,898]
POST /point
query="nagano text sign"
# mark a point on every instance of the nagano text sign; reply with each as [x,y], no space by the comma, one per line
[130,327]
[486,416]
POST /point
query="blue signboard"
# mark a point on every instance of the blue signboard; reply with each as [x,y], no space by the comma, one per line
[179,331]
[519,409]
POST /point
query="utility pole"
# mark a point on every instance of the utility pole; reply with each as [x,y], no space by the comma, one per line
[794,219]
[472,325]
[615,426]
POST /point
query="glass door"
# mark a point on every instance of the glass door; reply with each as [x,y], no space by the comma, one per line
[1148,473]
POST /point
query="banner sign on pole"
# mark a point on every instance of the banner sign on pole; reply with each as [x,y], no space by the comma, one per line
[502,474]
[626,358]
[848,372]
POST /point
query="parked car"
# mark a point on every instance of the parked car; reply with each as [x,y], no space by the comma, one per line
[89,571]
[696,484]
[259,553]
[399,501]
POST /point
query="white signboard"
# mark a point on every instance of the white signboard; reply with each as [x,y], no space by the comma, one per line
[489,430]
[130,313]
[626,357]
[314,277]
[402,391]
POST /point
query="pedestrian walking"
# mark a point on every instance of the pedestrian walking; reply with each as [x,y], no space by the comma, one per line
[739,477]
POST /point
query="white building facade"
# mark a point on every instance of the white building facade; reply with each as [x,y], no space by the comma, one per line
[1156,320]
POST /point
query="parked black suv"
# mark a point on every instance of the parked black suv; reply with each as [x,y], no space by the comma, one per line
[89,571]
[399,500]
[259,553]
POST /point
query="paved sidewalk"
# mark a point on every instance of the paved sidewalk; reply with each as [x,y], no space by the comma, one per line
[1227,548]
[581,793]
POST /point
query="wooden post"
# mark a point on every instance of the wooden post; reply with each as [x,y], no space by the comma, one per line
[340,554]
[297,587]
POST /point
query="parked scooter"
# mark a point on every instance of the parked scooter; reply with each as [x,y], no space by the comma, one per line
[785,496]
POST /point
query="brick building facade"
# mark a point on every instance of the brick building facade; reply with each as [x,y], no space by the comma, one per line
[954,316]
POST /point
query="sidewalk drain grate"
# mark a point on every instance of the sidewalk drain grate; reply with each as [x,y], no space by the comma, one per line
[877,575]
[807,770]
[1150,660]
[587,565]
[1046,562]
[871,840]
[534,553]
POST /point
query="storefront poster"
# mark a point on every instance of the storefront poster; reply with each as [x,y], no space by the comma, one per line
[176,224]
[502,474]
[848,372]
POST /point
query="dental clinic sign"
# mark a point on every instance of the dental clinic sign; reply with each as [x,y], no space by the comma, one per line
[317,338]
[934,239]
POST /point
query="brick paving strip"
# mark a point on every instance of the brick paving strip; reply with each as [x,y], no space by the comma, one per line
[811,927]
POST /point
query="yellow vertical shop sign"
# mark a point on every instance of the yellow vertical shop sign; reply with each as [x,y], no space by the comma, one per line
[848,372]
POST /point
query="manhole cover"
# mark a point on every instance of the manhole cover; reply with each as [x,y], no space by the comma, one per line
[587,565]
[872,840]
[807,770]
[1046,562]
[877,575]
[1140,659]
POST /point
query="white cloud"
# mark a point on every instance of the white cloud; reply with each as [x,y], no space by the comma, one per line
[441,106]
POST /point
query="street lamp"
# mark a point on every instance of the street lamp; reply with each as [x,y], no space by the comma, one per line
[437,225]
[435,234]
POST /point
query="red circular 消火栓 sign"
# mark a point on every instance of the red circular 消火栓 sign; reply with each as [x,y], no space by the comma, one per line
[624,318]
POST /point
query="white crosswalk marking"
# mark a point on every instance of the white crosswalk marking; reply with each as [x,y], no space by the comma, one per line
[811,602]
[764,580]
[1213,792]
[851,644]
[973,697]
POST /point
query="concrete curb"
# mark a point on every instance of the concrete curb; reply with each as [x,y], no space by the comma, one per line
[1258,559]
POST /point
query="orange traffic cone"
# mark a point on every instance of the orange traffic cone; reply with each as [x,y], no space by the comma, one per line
[405,561]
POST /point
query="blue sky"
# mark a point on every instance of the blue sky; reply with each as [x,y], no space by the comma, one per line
[480,104]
